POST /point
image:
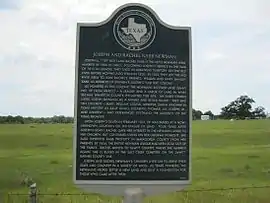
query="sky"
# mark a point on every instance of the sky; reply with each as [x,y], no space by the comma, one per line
[230,44]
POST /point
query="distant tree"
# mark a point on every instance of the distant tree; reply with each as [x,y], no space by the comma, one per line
[196,114]
[217,116]
[10,119]
[259,112]
[210,114]
[238,109]
[193,114]
[19,119]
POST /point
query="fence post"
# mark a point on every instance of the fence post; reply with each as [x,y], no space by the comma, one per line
[133,195]
[33,193]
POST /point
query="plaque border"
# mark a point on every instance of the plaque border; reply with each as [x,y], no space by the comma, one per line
[116,187]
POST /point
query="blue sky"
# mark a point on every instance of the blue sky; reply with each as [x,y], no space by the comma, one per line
[231,50]
[10,4]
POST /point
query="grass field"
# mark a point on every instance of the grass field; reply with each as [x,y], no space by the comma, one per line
[225,154]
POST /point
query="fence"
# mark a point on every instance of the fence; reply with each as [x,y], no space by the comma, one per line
[253,194]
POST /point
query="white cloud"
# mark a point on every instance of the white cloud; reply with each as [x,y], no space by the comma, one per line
[231,41]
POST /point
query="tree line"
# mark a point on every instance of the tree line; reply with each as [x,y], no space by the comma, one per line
[26,120]
[240,108]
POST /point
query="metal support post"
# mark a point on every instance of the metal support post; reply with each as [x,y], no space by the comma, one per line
[33,193]
[133,195]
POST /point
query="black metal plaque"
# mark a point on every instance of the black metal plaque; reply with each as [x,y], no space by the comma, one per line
[133,99]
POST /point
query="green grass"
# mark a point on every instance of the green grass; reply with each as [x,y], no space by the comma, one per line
[224,154]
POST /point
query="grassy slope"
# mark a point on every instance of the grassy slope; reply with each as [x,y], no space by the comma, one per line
[225,154]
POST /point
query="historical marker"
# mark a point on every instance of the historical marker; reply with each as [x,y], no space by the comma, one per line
[132,103]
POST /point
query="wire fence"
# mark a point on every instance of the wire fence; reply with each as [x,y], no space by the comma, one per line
[251,194]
